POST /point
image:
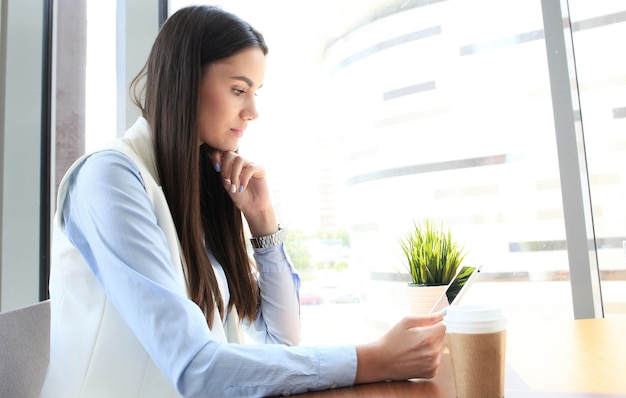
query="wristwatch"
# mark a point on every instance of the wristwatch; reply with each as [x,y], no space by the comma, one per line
[274,239]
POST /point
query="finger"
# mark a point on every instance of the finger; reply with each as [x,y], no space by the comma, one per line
[216,159]
[231,167]
[236,168]
[436,330]
[249,170]
[219,159]
[222,162]
[424,320]
[433,336]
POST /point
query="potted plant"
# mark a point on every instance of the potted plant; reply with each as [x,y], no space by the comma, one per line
[432,258]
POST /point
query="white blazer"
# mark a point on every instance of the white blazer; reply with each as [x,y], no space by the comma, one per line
[104,358]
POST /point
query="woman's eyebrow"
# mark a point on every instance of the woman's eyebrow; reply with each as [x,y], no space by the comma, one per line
[249,82]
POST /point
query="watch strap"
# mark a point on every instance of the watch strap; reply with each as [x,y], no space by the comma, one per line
[275,239]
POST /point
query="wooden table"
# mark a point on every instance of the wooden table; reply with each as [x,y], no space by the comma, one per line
[554,359]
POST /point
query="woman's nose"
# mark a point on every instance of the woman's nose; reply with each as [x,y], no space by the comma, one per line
[250,112]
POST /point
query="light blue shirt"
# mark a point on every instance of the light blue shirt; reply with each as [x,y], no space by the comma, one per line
[110,220]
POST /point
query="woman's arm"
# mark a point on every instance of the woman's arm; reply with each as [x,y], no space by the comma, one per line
[279,284]
[279,316]
[110,219]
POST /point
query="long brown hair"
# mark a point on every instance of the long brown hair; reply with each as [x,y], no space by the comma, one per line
[204,215]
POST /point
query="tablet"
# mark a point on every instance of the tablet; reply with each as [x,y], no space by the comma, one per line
[457,288]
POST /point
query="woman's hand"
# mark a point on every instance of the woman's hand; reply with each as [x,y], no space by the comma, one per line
[246,185]
[411,349]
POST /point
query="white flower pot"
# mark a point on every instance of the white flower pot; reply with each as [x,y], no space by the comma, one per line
[422,298]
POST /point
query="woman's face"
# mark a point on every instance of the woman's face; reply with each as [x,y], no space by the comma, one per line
[227,98]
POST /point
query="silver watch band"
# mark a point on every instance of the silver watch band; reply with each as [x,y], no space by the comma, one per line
[274,239]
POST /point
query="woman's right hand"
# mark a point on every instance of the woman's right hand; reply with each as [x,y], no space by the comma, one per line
[411,349]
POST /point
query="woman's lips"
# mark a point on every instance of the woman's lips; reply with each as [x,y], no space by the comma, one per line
[238,132]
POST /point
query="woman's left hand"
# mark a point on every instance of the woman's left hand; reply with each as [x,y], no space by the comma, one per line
[246,185]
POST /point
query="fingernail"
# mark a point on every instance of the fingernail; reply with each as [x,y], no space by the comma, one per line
[233,188]
[240,188]
[217,166]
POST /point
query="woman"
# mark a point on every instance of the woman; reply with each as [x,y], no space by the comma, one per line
[151,283]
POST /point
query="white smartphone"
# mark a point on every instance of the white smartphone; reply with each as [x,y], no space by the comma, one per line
[457,288]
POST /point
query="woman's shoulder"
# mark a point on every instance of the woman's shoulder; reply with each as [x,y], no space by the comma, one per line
[108,163]
[106,168]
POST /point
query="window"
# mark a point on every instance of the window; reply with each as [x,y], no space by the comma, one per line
[602,89]
[100,90]
[383,114]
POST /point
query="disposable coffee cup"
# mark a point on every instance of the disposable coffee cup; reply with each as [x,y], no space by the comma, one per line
[476,336]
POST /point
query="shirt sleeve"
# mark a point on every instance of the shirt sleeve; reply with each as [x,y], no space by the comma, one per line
[279,318]
[109,218]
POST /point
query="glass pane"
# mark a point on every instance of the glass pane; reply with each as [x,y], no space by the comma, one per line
[601,71]
[375,115]
[101,95]
[86,80]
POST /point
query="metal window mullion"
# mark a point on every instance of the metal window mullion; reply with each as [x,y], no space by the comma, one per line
[21,127]
[579,230]
[47,188]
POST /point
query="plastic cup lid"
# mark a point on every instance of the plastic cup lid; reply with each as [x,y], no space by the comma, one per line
[474,319]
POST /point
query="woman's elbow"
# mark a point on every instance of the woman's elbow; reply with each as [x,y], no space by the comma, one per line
[289,338]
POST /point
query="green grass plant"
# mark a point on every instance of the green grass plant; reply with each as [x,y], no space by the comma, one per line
[432,255]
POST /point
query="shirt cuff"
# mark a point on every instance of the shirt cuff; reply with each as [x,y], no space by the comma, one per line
[337,366]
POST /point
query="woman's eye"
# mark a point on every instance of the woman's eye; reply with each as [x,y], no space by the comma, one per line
[239,91]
